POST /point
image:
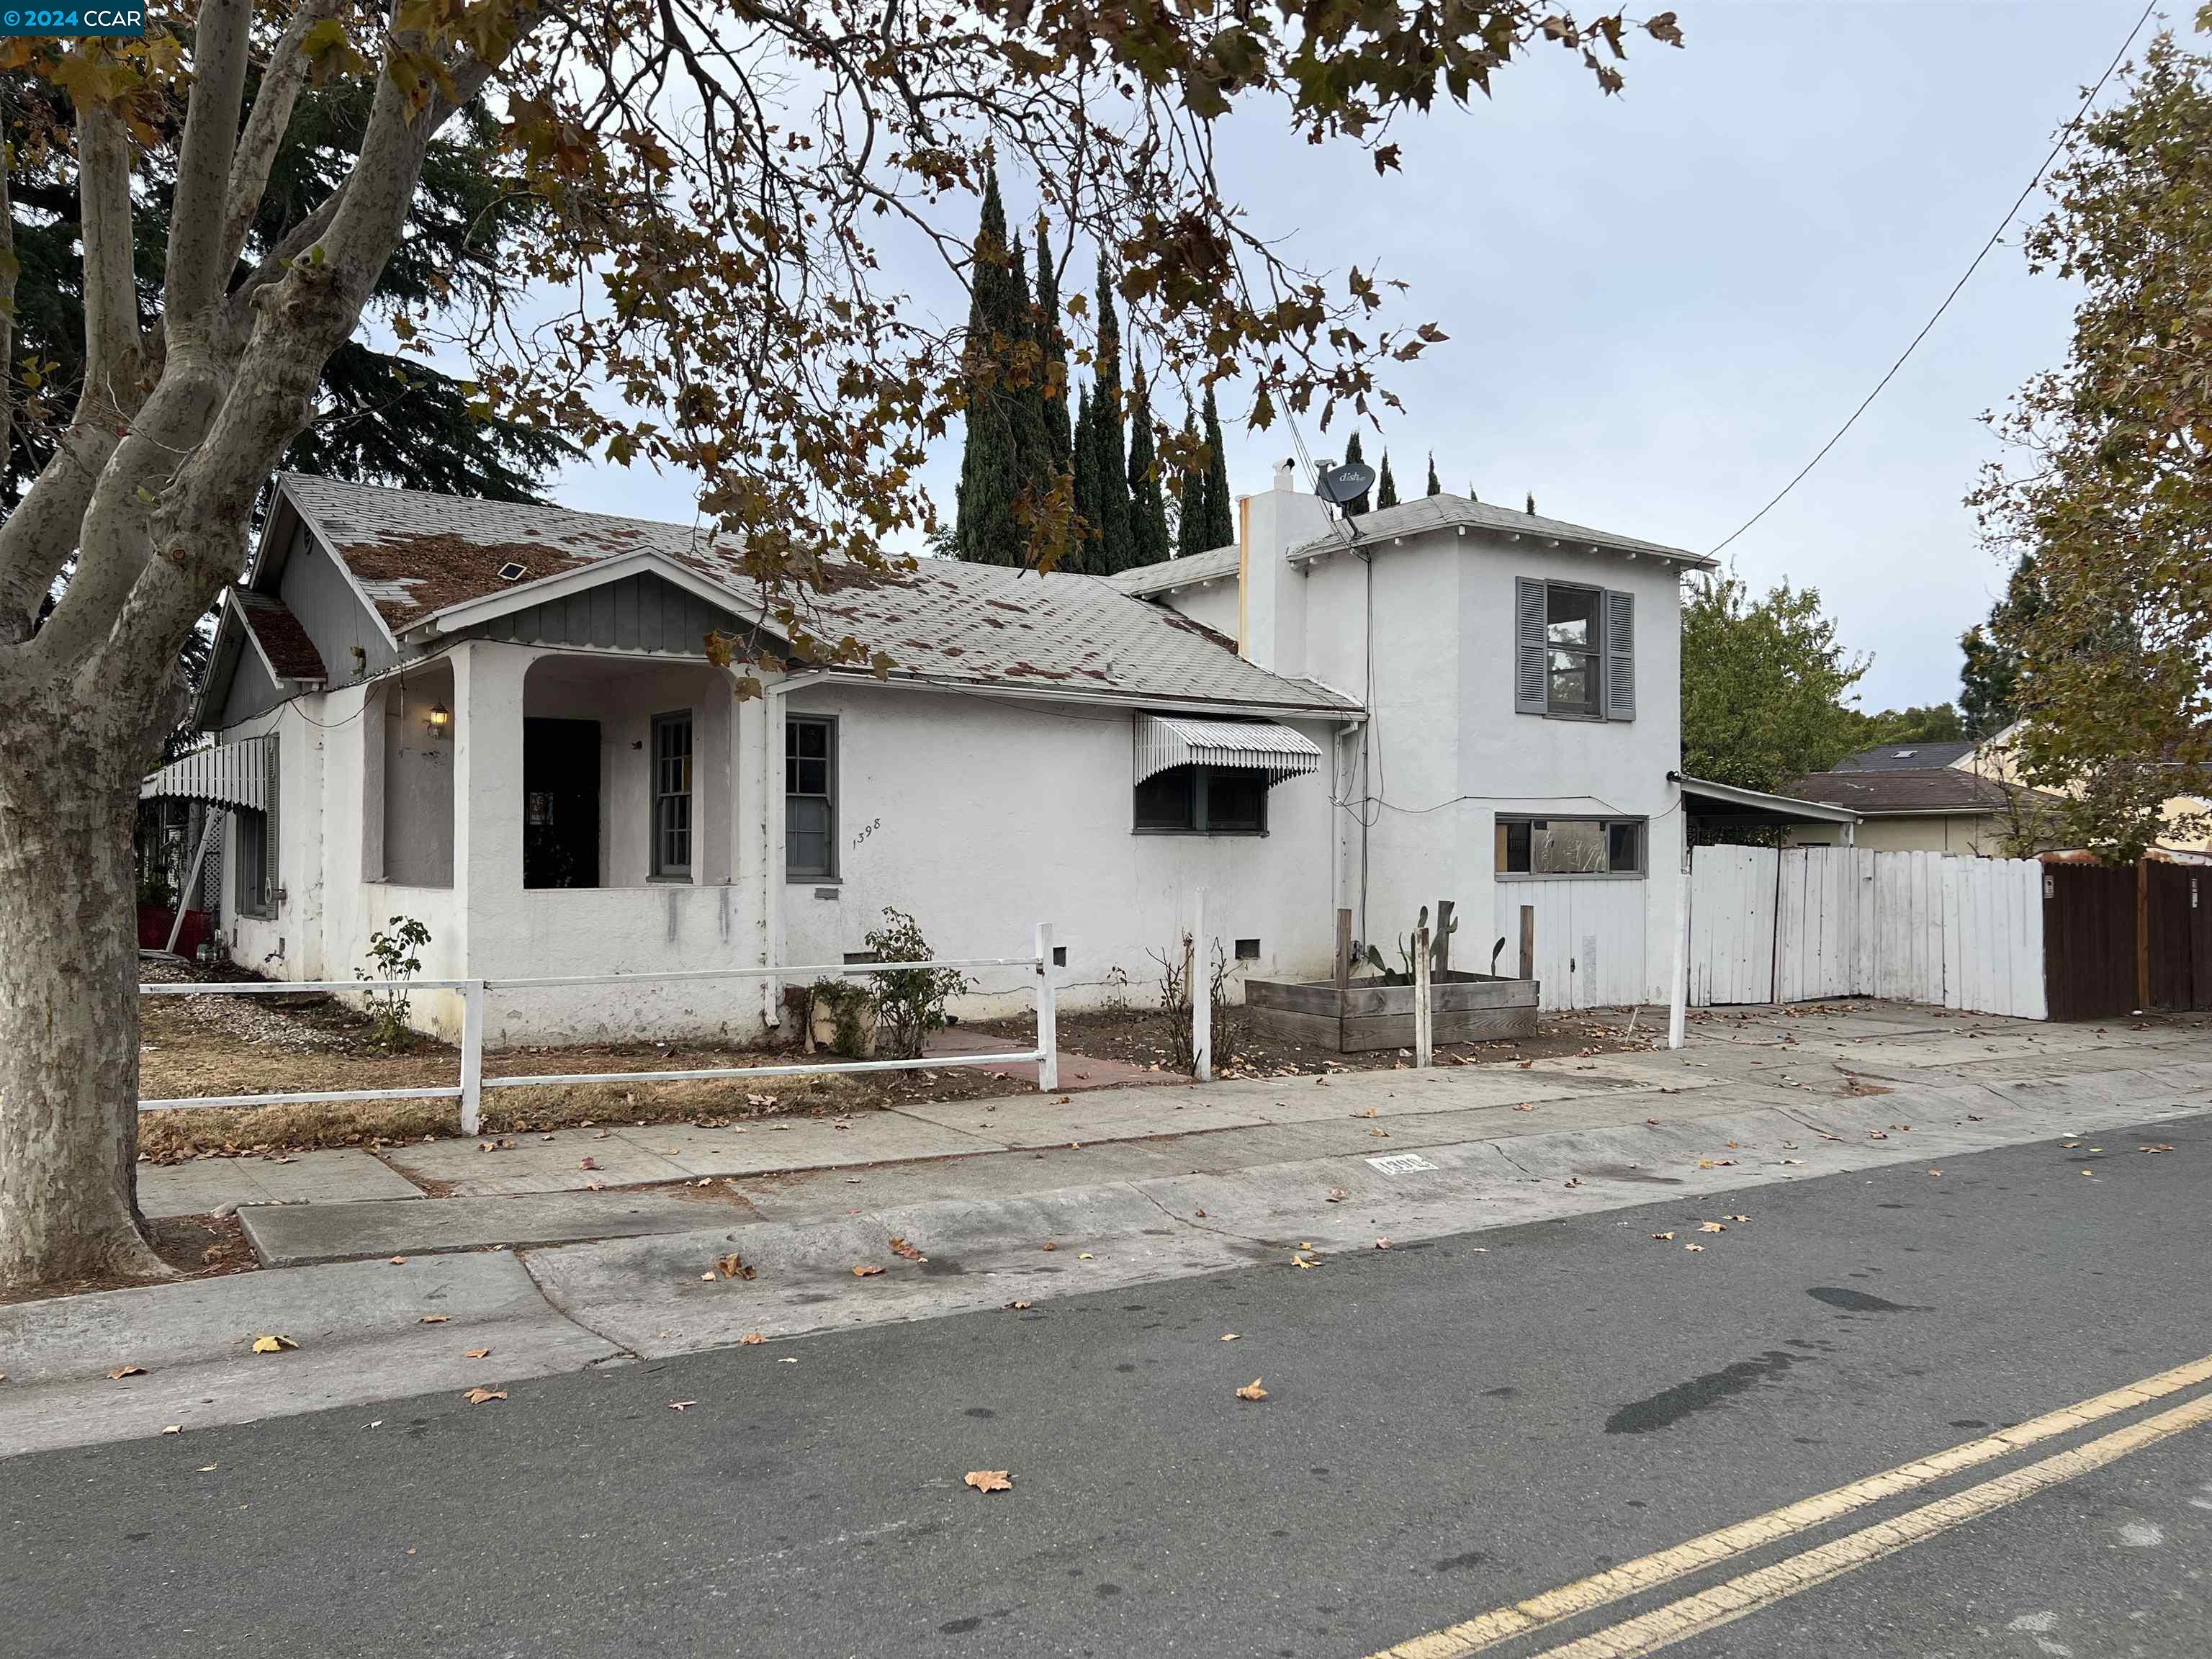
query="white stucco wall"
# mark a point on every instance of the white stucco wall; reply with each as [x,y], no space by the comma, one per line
[982,817]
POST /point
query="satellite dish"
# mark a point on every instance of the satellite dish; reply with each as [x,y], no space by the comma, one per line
[1343,485]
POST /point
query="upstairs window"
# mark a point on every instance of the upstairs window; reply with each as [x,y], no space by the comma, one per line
[1574,651]
[1570,847]
[672,796]
[1203,800]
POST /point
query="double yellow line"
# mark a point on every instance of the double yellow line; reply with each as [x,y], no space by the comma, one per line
[1751,1591]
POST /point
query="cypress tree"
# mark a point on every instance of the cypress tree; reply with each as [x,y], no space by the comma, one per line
[1435,489]
[1361,502]
[1190,501]
[1085,461]
[1034,467]
[1058,434]
[1148,512]
[1386,487]
[1219,526]
[1117,547]
[985,527]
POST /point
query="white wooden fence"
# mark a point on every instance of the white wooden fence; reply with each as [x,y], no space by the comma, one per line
[1801,923]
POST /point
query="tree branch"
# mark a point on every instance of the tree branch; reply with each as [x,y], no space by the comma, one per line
[266,127]
[198,221]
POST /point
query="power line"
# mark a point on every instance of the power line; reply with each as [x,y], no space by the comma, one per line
[2064,133]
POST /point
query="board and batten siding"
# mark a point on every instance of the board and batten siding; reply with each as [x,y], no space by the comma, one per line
[319,593]
[1805,923]
[638,613]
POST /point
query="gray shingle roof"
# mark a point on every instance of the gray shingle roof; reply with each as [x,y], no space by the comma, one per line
[1904,756]
[1446,512]
[1933,789]
[415,554]
[1209,566]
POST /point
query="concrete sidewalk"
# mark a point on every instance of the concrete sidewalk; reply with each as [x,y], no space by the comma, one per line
[1022,1198]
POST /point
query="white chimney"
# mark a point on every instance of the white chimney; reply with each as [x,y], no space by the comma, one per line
[1286,474]
[1272,620]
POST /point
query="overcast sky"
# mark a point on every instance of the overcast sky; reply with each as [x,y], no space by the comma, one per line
[1660,304]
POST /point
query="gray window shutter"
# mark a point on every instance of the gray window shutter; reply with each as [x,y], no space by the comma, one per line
[1528,646]
[1619,655]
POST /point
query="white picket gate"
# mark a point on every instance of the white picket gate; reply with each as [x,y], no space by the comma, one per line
[1802,923]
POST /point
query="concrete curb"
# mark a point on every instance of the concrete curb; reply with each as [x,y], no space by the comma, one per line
[359,1326]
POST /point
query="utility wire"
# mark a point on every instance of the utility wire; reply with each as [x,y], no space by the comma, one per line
[2064,133]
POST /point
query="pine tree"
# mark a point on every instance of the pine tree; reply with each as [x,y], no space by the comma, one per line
[1386,487]
[1218,528]
[1435,487]
[1117,547]
[1058,434]
[985,529]
[1359,504]
[1148,512]
[1190,499]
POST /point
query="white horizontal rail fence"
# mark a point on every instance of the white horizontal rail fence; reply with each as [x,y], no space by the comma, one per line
[1807,923]
[469,1088]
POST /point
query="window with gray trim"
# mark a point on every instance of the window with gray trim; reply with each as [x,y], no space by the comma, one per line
[1574,651]
[672,796]
[1570,847]
[810,798]
[256,845]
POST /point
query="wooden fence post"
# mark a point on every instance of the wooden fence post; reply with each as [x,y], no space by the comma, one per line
[1528,941]
[1423,1028]
[1343,974]
[1200,971]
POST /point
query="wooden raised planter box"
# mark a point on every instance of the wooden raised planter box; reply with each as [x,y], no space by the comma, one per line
[1462,1008]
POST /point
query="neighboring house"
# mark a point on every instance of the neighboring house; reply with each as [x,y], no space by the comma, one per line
[2188,825]
[503,720]
[1949,797]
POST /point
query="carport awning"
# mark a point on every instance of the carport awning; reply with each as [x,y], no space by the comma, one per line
[1166,740]
[227,774]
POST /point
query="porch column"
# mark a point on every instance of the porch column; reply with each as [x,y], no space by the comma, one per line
[488,679]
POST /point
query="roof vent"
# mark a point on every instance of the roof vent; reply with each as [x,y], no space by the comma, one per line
[1905,754]
[512,572]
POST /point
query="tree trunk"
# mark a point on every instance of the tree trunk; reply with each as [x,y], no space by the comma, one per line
[69,1001]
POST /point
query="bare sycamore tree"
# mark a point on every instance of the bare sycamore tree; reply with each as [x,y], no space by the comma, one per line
[724,191]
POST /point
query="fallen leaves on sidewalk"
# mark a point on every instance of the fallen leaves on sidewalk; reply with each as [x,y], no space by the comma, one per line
[734,1266]
[1694,1247]
[398,1261]
[1337,1194]
[432,1319]
[1382,1243]
[867,1270]
[1736,1218]
[1231,1336]
[477,1353]
[173,1428]
[682,1405]
[273,1344]
[587,1163]
[901,1248]
[2160,1147]
[751,1339]
[1252,1390]
[1712,1226]
[990,1480]
[1664,1237]
[1019,1307]
[479,1396]
[1524,1109]
[1048,1245]
[1304,1262]
[122,1371]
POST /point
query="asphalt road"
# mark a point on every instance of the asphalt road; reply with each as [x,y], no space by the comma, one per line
[1448,1427]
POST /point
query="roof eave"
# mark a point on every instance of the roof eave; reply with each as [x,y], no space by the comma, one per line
[1117,697]
[1320,546]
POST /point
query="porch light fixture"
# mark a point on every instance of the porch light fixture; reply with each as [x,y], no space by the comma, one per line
[441,719]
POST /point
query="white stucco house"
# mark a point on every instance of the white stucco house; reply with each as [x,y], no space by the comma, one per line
[503,720]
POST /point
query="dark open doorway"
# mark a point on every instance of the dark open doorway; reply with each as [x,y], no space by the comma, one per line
[560,803]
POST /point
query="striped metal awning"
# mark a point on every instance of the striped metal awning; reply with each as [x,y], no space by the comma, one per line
[1166,740]
[229,774]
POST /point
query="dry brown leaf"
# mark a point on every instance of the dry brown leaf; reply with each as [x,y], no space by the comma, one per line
[1303,1261]
[1252,1390]
[398,1261]
[1048,1245]
[1667,1236]
[751,1339]
[734,1265]
[1934,1172]
[273,1344]
[1232,1336]
[901,1248]
[682,1405]
[122,1371]
[1337,1194]
[1084,1256]
[1524,1109]
[478,1396]
[1382,1243]
[1020,1307]
[867,1270]
[1378,1134]
[587,1163]
[173,1428]
[1736,1218]
[1694,1247]
[433,1319]
[1712,1226]
[477,1353]
[990,1480]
